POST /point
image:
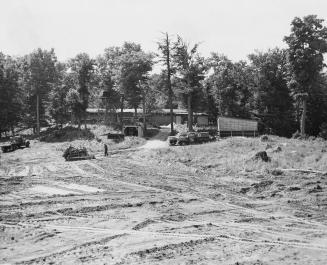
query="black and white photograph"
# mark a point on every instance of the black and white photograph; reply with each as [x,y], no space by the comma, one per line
[163,132]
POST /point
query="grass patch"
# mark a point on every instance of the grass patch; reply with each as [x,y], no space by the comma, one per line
[234,155]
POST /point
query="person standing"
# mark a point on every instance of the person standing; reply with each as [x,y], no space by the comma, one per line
[105,150]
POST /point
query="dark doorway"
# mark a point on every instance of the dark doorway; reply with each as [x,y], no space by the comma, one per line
[131,131]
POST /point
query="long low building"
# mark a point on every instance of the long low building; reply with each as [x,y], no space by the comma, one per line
[156,117]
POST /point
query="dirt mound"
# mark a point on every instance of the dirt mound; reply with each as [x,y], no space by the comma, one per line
[155,144]
[66,134]
[264,138]
[262,156]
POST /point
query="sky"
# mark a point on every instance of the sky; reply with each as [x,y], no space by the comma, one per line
[235,28]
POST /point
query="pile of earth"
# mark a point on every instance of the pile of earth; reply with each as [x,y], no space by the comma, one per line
[68,133]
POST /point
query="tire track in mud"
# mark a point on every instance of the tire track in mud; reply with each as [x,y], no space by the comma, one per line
[173,246]
[187,235]
[207,201]
[255,212]
[67,211]
[67,251]
[70,212]
[192,239]
[231,206]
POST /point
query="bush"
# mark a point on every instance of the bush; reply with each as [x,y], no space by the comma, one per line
[66,134]
[264,138]
[323,130]
[296,135]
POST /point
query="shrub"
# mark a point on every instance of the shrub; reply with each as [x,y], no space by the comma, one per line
[296,135]
[323,130]
[66,134]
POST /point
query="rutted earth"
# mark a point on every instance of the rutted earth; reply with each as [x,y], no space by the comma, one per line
[126,209]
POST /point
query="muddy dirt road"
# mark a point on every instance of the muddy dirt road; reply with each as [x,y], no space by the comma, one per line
[128,209]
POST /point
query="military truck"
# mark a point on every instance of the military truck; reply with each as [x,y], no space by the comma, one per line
[185,138]
[16,142]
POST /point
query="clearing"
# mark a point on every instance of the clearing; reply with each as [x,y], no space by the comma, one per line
[155,204]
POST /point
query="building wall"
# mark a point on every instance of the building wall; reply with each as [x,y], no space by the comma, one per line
[157,119]
[178,119]
[233,124]
[202,120]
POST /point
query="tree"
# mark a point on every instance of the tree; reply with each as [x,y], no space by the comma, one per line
[158,93]
[42,73]
[166,48]
[11,94]
[38,75]
[317,106]
[231,86]
[190,68]
[307,44]
[122,70]
[273,102]
[82,67]
[58,105]
[135,65]
[106,65]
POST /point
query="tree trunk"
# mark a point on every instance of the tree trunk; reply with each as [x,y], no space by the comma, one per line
[122,113]
[303,116]
[106,119]
[144,118]
[85,116]
[189,113]
[170,91]
[38,114]
[135,115]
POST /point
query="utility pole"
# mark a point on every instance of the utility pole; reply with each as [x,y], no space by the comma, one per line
[38,114]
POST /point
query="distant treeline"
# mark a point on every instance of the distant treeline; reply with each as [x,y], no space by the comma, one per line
[285,89]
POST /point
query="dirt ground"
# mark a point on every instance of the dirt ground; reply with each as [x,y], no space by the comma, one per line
[164,205]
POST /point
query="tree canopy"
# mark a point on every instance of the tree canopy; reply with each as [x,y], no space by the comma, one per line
[284,89]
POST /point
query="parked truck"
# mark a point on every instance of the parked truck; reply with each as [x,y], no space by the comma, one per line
[237,127]
[185,138]
[15,143]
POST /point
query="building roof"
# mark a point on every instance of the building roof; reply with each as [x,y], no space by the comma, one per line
[140,111]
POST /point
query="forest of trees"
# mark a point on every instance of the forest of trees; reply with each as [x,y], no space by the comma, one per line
[285,89]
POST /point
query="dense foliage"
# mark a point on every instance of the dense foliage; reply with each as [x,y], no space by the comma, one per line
[285,89]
